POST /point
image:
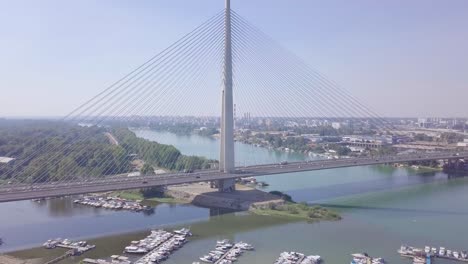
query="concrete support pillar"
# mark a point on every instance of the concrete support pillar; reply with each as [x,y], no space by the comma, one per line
[226,156]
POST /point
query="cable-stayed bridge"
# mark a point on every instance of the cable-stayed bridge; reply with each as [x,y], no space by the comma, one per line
[258,75]
[44,190]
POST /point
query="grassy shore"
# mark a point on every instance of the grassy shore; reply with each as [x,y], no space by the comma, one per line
[301,211]
[135,195]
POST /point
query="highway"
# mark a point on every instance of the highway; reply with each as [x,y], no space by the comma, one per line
[14,192]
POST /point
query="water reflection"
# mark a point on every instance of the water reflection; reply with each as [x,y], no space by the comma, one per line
[454,175]
[420,211]
[64,207]
[220,211]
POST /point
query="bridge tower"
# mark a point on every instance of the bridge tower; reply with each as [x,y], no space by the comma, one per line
[226,157]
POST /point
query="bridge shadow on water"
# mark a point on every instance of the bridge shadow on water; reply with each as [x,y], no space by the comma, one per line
[392,209]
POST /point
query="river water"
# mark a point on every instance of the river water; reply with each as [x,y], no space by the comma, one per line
[382,207]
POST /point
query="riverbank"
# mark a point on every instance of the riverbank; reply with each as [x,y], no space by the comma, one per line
[6,259]
[201,194]
[245,198]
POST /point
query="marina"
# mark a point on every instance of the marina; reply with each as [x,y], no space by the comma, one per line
[109,202]
[297,258]
[158,245]
[426,255]
[226,252]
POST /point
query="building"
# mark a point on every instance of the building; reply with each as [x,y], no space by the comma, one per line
[336,125]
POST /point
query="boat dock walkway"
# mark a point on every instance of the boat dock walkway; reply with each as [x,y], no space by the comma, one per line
[225,255]
[430,254]
[62,257]
[95,261]
[451,258]
[145,258]
[115,259]
[166,247]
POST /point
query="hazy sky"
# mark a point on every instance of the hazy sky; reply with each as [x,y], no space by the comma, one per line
[402,58]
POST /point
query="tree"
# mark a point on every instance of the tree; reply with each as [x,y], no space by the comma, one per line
[147,169]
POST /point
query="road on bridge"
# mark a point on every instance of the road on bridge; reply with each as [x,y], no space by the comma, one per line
[124,182]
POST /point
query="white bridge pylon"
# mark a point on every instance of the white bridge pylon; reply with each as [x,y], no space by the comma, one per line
[226,157]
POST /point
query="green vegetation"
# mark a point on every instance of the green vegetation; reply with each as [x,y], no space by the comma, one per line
[184,129]
[159,155]
[447,137]
[340,150]
[148,194]
[48,150]
[147,169]
[298,143]
[298,211]
[179,128]
[383,151]
[283,196]
[295,210]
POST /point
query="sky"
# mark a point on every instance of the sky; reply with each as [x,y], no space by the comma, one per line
[401,58]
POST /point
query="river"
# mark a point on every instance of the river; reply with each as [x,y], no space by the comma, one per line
[382,207]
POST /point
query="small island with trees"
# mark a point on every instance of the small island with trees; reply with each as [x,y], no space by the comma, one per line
[293,210]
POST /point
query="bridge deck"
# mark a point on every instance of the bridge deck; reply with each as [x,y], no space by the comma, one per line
[113,183]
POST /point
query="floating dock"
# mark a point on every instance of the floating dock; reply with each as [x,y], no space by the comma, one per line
[430,253]
[165,246]
[75,248]
[226,252]
[115,259]
[110,202]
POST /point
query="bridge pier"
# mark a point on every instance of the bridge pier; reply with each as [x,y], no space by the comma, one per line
[226,185]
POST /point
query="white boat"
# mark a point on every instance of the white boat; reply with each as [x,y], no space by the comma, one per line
[378,261]
[464,255]
[427,249]
[442,251]
[456,254]
[419,260]
[207,259]
[358,255]
[135,250]
[183,231]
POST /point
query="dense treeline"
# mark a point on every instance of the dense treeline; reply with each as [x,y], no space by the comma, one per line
[51,150]
[48,150]
[184,128]
[160,155]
